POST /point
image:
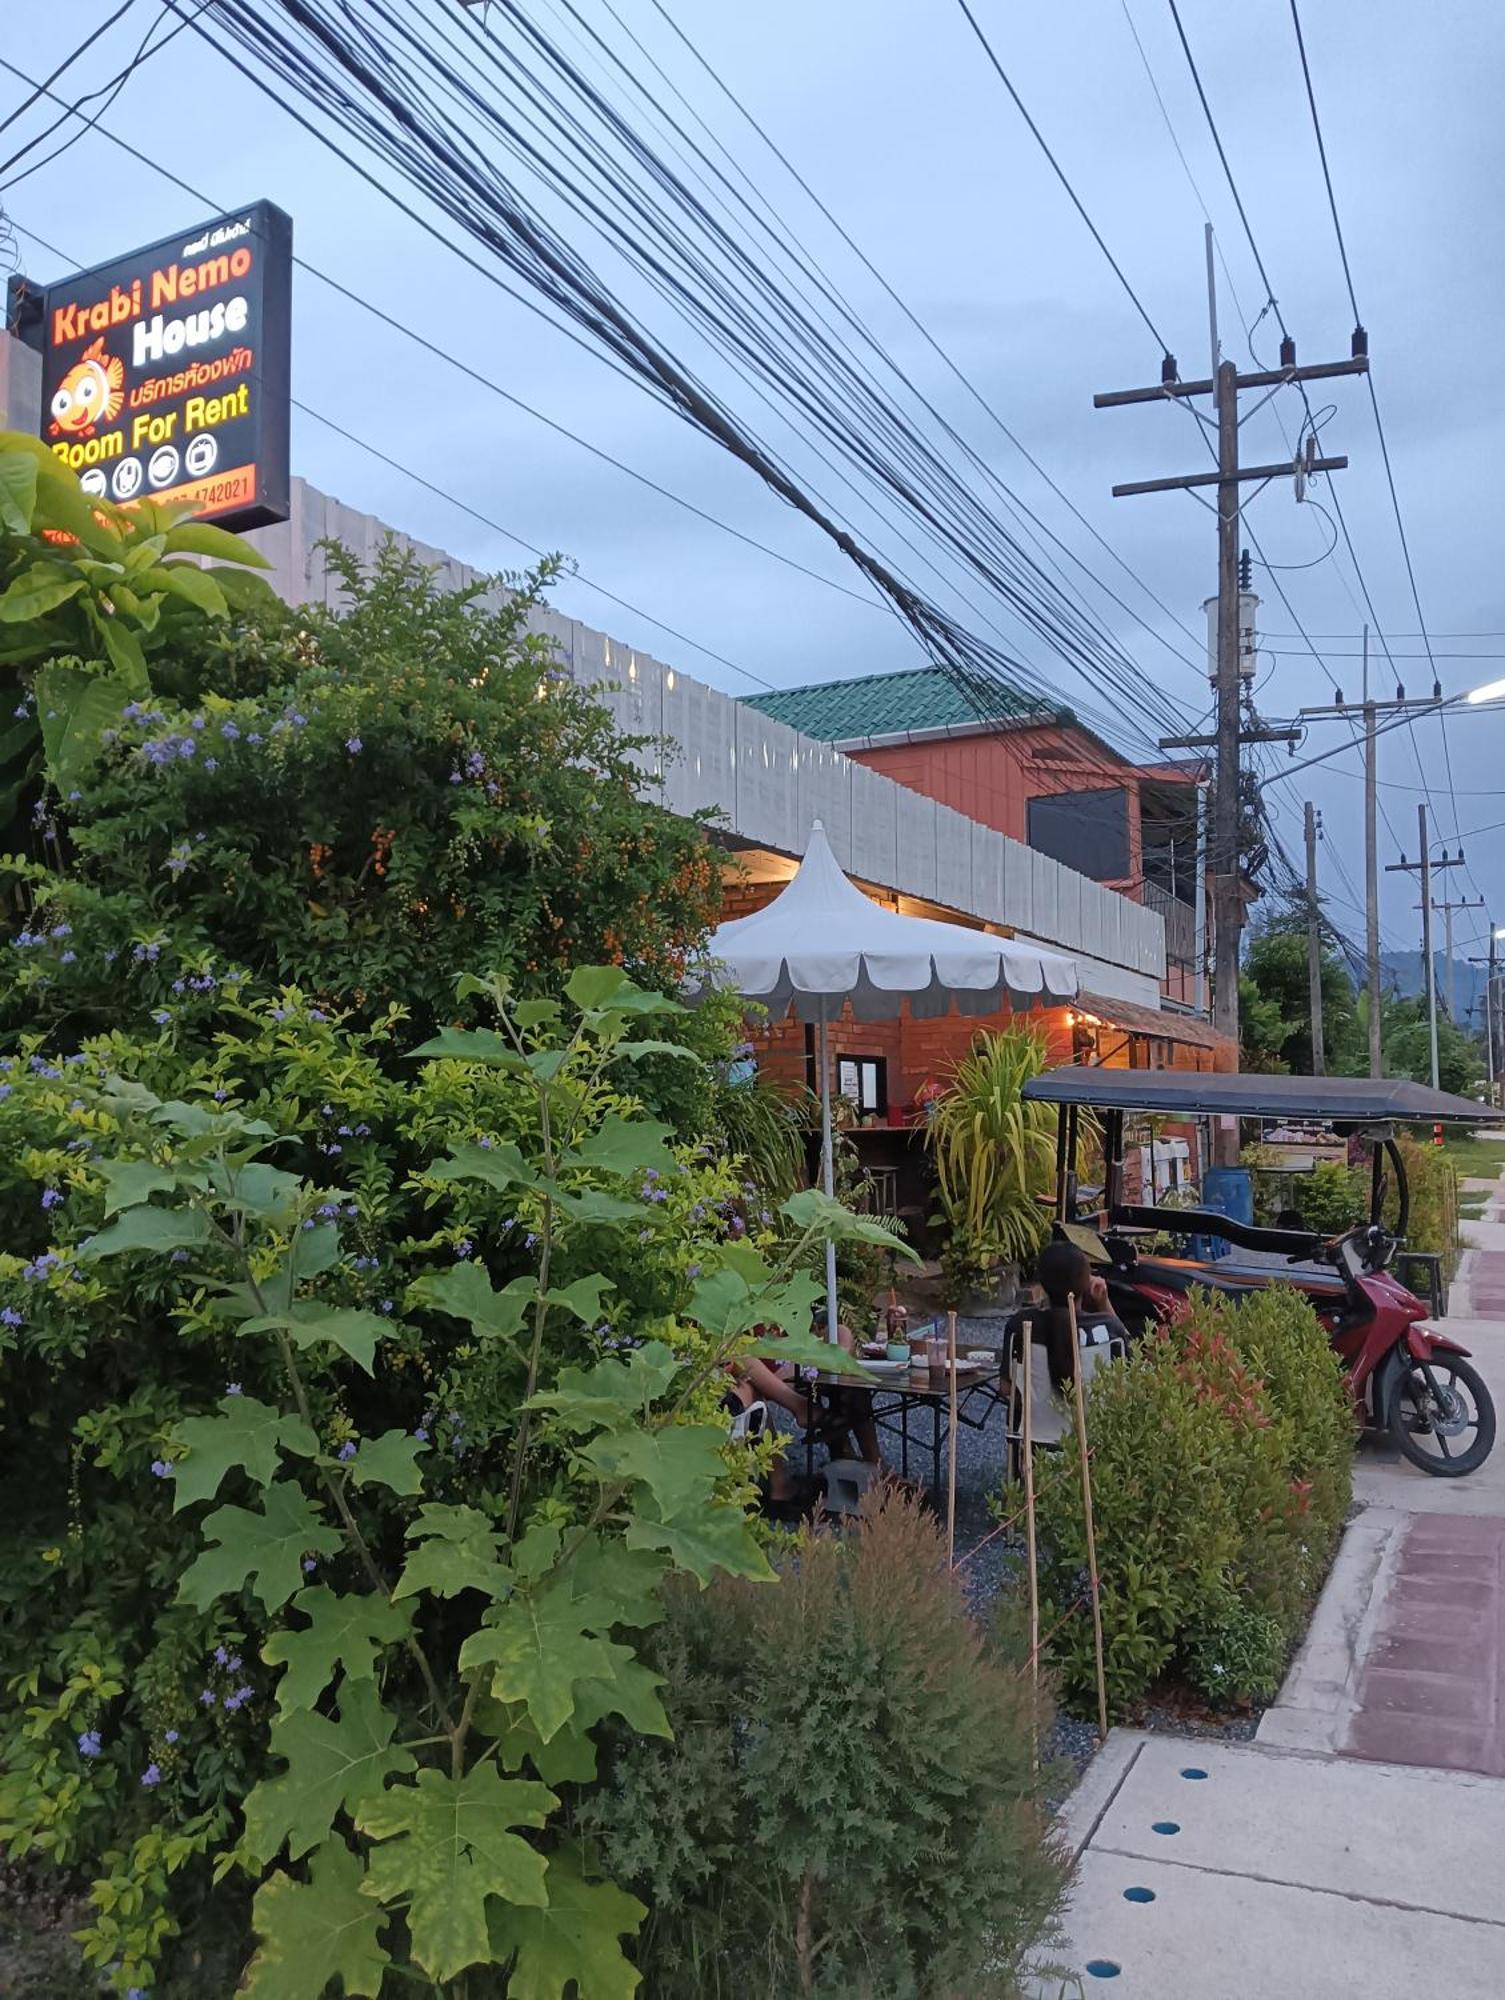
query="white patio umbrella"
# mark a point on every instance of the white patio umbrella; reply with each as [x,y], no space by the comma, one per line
[821,941]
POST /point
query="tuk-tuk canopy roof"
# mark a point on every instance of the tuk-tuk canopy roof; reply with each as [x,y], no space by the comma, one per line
[1344,1100]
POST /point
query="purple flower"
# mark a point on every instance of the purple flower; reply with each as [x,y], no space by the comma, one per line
[161,1016]
[362,1131]
[207,1698]
[53,1197]
[233,1663]
[421,1434]
[220,1096]
[170,1736]
[692,1270]
[62,930]
[162,1467]
[254,737]
[297,720]
[232,1388]
[347,1449]
[5,1089]
[220,1656]
[177,985]
[196,722]
[89,1744]
[384,1305]
[309,1565]
[737,1226]
[529,1240]
[353,745]
[186,746]
[279,1013]
[151,1776]
[229,731]
[455,778]
[68,958]
[10,1317]
[179,1257]
[317,1014]
[211,763]
[232,1701]
[463,1248]
[244,1694]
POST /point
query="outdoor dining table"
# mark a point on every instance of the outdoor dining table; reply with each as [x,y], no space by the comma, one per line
[895,1398]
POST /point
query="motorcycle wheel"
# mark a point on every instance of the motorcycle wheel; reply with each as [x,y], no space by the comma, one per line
[1446,1425]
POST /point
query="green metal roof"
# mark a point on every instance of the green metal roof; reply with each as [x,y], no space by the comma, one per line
[885,704]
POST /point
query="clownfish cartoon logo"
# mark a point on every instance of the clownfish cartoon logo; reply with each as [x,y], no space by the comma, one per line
[91,393]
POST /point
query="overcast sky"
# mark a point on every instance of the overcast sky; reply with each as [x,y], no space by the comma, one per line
[889,110]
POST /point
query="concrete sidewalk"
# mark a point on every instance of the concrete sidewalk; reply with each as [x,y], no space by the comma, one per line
[1355,1847]
[1232,1871]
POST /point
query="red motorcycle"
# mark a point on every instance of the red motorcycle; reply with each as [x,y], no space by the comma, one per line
[1407,1379]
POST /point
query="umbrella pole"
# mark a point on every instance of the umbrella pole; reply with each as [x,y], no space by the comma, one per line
[827,1162]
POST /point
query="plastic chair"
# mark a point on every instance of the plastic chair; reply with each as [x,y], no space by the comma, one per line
[1051,1417]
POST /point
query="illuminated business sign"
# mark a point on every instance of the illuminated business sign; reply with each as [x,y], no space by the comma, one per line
[165,373]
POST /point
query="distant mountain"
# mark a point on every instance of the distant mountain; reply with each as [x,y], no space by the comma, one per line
[1402,972]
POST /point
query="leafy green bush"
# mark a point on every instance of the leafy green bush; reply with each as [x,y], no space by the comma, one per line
[847,1806]
[1221,1460]
[451,1433]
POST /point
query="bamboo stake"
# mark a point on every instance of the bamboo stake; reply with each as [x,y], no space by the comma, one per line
[951,1441]
[1081,1442]
[1027,1431]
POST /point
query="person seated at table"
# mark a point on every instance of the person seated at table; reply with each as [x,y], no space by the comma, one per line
[837,1414]
[1065,1274]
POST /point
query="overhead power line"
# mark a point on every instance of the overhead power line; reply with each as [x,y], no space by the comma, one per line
[414,99]
[1076,201]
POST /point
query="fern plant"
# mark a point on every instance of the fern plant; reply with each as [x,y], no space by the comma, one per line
[994,1153]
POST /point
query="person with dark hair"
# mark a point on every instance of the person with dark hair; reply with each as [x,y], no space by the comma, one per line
[1065,1275]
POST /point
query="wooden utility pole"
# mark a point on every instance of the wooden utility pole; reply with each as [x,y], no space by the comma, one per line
[1226,878]
[1424,868]
[1447,908]
[1370,711]
[1314,941]
[1491,964]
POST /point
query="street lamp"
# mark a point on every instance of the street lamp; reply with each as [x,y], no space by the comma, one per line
[1491,691]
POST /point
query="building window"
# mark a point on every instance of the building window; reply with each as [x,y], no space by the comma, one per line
[864,1081]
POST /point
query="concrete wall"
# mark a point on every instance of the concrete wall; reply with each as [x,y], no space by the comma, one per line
[769,782]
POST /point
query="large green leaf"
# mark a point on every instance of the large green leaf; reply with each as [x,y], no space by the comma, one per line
[330,1765]
[582,1298]
[126,656]
[351,1329]
[195,586]
[247,1433]
[500,1166]
[316,1931]
[346,1632]
[202,538]
[268,1547]
[573,1943]
[612,1390]
[18,492]
[539,1646]
[598,989]
[36,591]
[458,1549]
[595,1205]
[144,1228]
[128,1183]
[569,1756]
[718,1538]
[254,1187]
[446,1846]
[389,1460]
[625,1146]
[814,1210]
[478,1045]
[465,1292]
[74,709]
[678,1464]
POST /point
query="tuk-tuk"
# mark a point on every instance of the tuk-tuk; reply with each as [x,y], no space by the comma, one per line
[1412,1381]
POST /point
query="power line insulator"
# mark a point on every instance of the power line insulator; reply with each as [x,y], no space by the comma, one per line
[1287,352]
[1169,372]
[1359,345]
